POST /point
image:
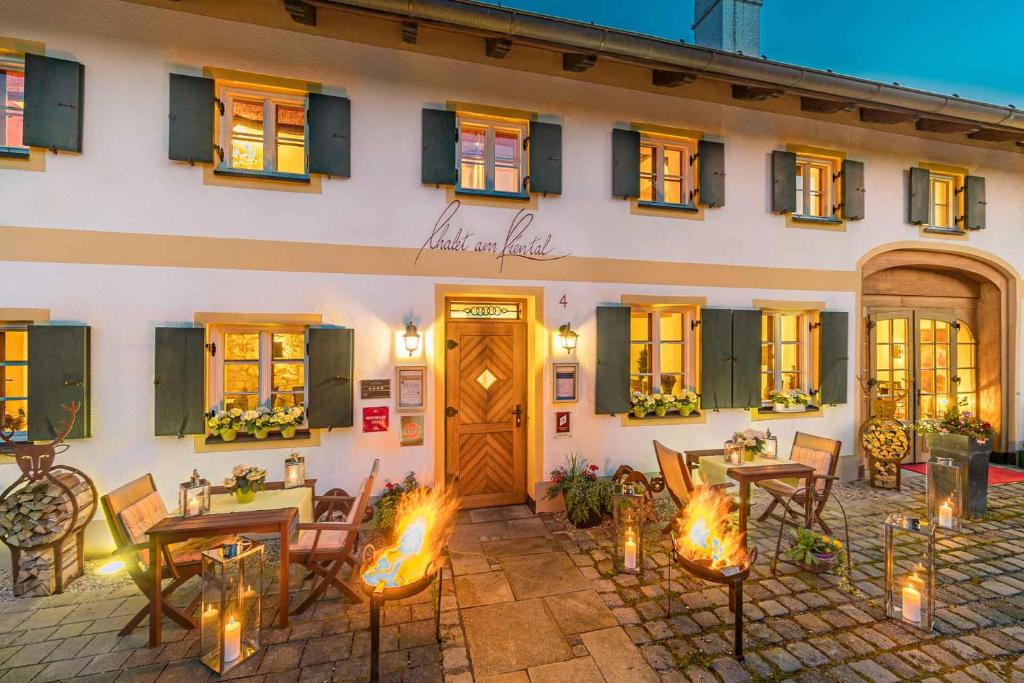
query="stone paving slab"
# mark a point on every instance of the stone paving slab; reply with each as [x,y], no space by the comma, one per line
[511,636]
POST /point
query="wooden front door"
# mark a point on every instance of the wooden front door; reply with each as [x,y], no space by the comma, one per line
[485,420]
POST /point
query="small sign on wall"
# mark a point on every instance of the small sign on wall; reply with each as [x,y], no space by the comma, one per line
[563,423]
[375,388]
[565,377]
[376,419]
[412,430]
[412,388]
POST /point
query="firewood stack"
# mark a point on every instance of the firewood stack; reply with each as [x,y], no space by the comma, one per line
[39,523]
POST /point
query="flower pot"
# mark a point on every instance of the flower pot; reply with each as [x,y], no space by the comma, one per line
[228,434]
[288,432]
[261,433]
[783,408]
[660,411]
[685,411]
[973,459]
[639,411]
[246,496]
[749,455]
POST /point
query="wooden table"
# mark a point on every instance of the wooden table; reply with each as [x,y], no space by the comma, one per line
[783,470]
[177,529]
[693,457]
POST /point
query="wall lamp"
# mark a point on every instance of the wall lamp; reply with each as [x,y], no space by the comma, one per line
[568,337]
[411,338]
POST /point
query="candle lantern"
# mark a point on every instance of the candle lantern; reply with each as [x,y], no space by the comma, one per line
[294,471]
[628,511]
[194,496]
[945,495]
[229,629]
[734,453]
[910,571]
[771,446]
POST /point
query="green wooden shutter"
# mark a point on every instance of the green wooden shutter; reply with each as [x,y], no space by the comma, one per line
[715,358]
[191,119]
[625,163]
[833,357]
[179,395]
[918,202]
[711,173]
[440,140]
[853,190]
[53,103]
[545,157]
[974,203]
[783,182]
[330,145]
[58,373]
[330,358]
[746,353]
[611,384]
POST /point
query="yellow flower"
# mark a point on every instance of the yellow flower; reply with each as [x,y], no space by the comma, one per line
[838,543]
[826,539]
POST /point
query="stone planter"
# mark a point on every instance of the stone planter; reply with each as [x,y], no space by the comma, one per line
[973,458]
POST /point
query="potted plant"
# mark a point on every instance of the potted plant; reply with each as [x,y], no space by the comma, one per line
[967,440]
[686,402]
[815,552]
[587,498]
[663,403]
[789,401]
[245,481]
[386,510]
[752,441]
[257,422]
[226,423]
[642,403]
[287,420]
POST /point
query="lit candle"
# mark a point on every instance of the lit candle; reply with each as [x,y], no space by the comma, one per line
[946,515]
[911,602]
[630,550]
[293,475]
[210,616]
[232,640]
[193,505]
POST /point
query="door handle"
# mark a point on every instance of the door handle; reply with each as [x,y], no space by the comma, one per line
[518,413]
[451,411]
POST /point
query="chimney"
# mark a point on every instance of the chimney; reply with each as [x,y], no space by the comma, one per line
[730,25]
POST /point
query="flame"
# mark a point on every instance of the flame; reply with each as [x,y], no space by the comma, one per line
[423,526]
[704,533]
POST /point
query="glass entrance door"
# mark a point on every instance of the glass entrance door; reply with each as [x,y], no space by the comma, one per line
[914,359]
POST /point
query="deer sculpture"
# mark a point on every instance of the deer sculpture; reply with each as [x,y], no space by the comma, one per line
[35,460]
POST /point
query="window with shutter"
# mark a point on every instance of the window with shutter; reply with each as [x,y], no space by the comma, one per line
[263,134]
[663,354]
[54,104]
[329,130]
[833,357]
[611,383]
[329,373]
[178,381]
[191,119]
[666,171]
[12,106]
[490,155]
[545,147]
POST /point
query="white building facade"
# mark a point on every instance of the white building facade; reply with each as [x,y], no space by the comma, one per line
[121,239]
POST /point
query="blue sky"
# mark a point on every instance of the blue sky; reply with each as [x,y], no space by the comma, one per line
[943,46]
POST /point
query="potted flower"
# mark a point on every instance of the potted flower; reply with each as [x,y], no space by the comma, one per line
[642,403]
[587,498]
[245,481]
[663,403]
[287,420]
[967,440]
[686,402]
[226,423]
[257,422]
[386,510]
[815,552]
[752,441]
[789,401]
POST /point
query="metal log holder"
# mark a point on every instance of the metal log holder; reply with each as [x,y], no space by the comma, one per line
[731,577]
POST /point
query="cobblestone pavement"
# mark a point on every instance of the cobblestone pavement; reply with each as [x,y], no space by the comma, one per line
[535,601]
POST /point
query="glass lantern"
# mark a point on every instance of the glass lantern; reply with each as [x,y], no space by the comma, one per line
[945,493]
[734,453]
[229,630]
[771,446]
[910,571]
[194,496]
[628,501]
[294,471]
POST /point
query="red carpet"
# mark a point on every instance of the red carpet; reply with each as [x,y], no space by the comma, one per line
[996,475]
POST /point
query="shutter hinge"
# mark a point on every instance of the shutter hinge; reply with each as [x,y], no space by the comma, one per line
[526,183]
[451,344]
[526,142]
[955,325]
[693,158]
[220,104]
[694,324]
[212,348]
[871,324]
[307,348]
[814,326]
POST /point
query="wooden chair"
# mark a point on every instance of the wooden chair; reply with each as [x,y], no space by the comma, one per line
[323,547]
[130,510]
[676,478]
[823,455]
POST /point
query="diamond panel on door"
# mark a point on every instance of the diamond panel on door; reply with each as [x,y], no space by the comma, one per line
[485,376]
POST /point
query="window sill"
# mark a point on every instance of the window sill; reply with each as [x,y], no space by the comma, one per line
[768,413]
[304,438]
[943,231]
[266,175]
[652,420]
[668,206]
[15,152]
[519,196]
[816,219]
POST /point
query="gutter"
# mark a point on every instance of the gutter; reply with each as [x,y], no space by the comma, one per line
[573,36]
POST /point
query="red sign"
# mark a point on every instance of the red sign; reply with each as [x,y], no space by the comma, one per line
[376,419]
[563,422]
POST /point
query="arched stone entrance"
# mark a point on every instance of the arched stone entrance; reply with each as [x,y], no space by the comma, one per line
[941,324]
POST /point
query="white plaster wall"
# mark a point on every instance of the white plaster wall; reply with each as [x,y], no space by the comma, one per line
[124,182]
